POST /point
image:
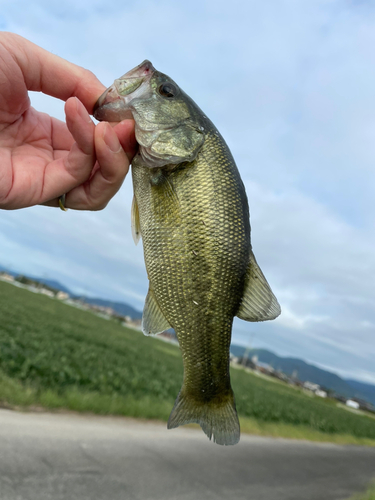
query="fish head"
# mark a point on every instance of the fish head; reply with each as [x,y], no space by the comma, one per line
[113,104]
[169,126]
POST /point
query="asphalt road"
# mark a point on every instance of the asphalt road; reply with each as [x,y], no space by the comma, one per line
[73,457]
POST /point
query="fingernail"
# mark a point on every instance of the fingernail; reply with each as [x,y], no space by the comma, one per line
[110,138]
[81,110]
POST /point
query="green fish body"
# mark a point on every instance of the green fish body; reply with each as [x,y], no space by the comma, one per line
[191,210]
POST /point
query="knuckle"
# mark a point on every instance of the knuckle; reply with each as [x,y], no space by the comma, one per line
[88,74]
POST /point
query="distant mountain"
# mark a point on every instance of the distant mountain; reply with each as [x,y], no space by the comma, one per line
[119,307]
[56,285]
[312,373]
[366,391]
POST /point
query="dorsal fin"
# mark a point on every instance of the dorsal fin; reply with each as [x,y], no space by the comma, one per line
[258,301]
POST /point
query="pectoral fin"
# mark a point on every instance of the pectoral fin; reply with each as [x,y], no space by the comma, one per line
[136,227]
[153,320]
[258,301]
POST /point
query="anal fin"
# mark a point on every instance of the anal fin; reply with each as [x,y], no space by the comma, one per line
[258,301]
[153,319]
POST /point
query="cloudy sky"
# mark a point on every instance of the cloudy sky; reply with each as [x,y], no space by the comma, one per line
[291,86]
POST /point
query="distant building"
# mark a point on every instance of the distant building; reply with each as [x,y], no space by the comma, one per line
[7,277]
[102,309]
[265,368]
[245,361]
[310,386]
[365,405]
[233,358]
[321,393]
[352,404]
[282,376]
[62,296]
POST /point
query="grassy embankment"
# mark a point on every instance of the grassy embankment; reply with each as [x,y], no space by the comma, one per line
[55,356]
[368,495]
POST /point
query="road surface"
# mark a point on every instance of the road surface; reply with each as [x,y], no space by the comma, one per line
[75,457]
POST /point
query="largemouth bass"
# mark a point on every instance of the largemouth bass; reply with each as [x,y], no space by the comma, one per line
[191,210]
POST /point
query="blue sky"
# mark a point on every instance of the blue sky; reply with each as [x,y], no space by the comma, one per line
[290,85]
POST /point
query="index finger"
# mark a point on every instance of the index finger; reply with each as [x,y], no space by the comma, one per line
[45,72]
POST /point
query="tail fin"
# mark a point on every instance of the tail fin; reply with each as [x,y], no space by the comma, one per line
[219,421]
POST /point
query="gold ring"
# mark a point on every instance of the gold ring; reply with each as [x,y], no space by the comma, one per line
[62,203]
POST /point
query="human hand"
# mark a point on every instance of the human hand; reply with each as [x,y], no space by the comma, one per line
[41,158]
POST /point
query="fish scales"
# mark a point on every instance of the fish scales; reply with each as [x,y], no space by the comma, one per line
[190,207]
[195,231]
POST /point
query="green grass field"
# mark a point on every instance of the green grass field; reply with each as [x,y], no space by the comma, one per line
[56,356]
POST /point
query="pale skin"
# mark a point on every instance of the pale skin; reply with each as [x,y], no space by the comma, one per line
[42,158]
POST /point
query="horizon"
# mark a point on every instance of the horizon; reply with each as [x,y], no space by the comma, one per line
[238,344]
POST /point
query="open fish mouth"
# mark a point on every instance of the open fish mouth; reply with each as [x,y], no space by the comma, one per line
[113,104]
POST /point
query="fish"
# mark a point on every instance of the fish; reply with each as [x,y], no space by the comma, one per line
[191,210]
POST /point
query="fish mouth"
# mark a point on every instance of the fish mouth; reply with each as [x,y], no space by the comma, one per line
[113,104]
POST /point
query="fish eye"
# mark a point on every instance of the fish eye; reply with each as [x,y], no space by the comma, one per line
[168,90]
